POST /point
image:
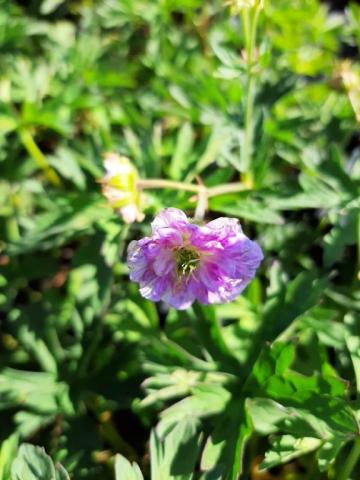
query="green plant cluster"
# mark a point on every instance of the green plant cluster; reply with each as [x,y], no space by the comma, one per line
[112,385]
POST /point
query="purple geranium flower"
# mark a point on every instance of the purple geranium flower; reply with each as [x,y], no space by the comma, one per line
[182,262]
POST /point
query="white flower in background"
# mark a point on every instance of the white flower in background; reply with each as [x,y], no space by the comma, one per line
[119,186]
[237,5]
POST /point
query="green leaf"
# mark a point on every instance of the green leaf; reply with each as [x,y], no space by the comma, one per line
[181,157]
[286,447]
[32,463]
[175,455]
[7,453]
[212,337]
[305,415]
[285,303]
[327,453]
[67,165]
[225,446]
[245,207]
[352,339]
[266,414]
[49,6]
[272,362]
[7,123]
[67,217]
[341,235]
[36,390]
[124,470]
[205,401]
[212,149]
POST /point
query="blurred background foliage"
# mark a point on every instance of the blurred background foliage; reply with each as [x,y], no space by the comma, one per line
[89,368]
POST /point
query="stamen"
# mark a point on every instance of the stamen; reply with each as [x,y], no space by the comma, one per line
[187,260]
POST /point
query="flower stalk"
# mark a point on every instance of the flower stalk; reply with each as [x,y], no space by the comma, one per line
[159,183]
[202,192]
[250,18]
[122,186]
[201,205]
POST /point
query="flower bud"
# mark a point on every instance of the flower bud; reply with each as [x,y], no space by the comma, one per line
[119,186]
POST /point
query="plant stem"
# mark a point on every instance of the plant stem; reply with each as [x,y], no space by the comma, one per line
[203,192]
[39,158]
[248,132]
[358,249]
[226,188]
[202,204]
[346,469]
[158,183]
[12,229]
[250,21]
[53,342]
[112,436]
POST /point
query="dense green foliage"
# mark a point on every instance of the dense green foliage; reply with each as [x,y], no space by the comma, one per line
[89,369]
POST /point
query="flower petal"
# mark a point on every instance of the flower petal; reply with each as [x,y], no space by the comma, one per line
[226,260]
[164,263]
[136,261]
[153,287]
[247,259]
[167,218]
[179,296]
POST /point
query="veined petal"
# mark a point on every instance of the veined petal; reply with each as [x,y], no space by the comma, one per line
[179,296]
[154,287]
[136,261]
[167,218]
[224,226]
[164,263]
[247,259]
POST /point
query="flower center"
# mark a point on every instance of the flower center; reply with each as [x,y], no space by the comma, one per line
[187,260]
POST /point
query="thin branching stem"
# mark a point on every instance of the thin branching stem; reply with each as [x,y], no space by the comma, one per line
[159,183]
